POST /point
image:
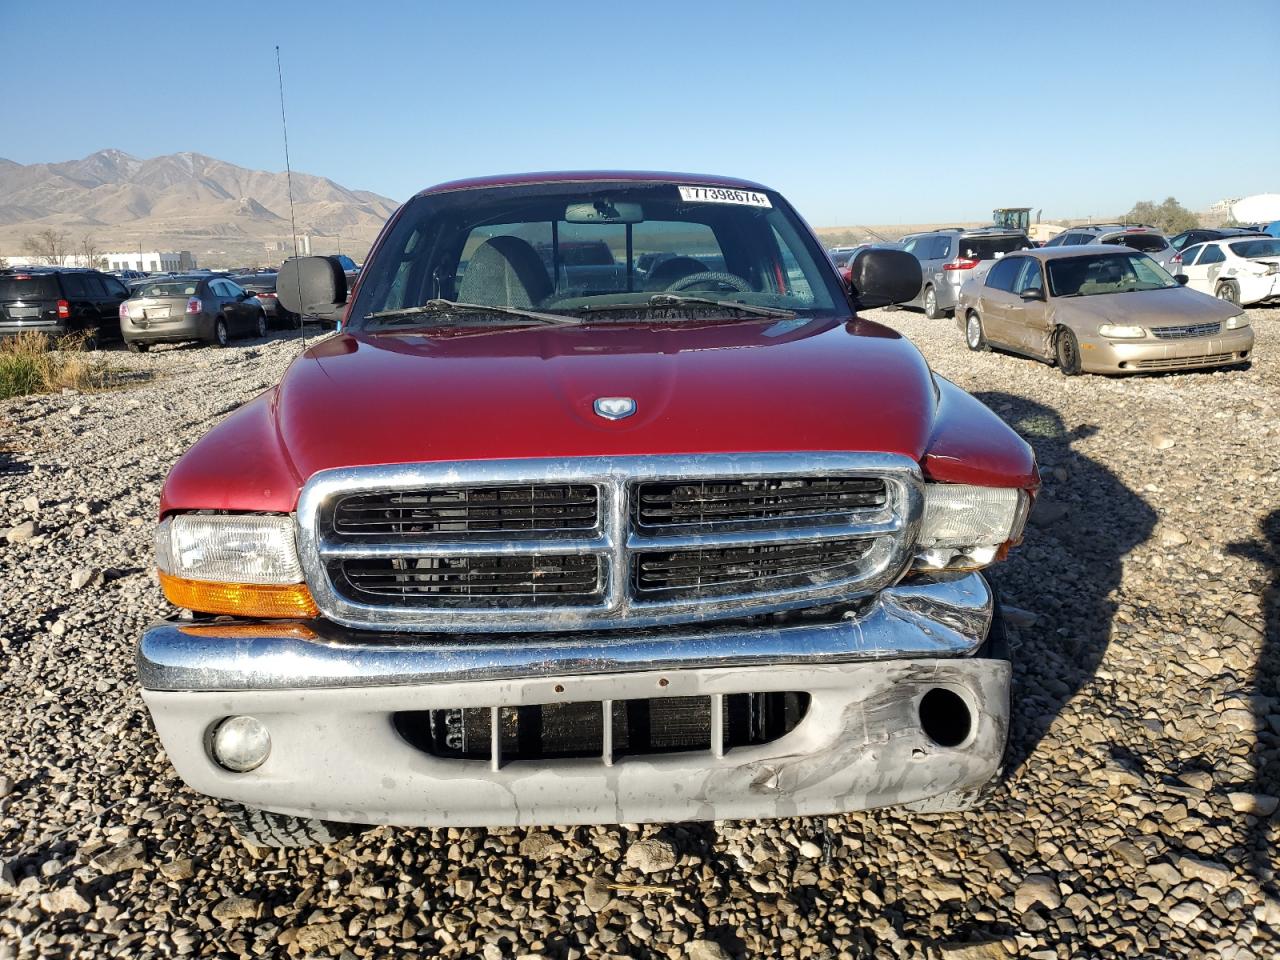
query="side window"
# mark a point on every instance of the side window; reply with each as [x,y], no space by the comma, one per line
[1189,255]
[73,286]
[912,245]
[114,287]
[93,283]
[1078,239]
[942,247]
[218,288]
[1029,278]
[233,289]
[1002,275]
[1212,254]
[1056,241]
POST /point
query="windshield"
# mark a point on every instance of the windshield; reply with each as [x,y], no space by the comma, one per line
[169,288]
[24,287]
[1255,248]
[595,249]
[1106,273]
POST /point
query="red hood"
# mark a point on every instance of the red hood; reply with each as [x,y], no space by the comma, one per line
[528,392]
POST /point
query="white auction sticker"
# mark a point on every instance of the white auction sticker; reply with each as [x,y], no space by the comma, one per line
[723,195]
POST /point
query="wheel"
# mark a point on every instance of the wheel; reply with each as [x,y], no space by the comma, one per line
[261,328]
[221,335]
[1228,291]
[137,346]
[931,303]
[259,828]
[974,338]
[1066,349]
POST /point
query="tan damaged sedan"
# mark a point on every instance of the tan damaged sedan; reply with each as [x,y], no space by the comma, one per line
[1099,309]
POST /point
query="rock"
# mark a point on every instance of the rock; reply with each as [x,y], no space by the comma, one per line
[1233,626]
[810,850]
[178,869]
[31,504]
[1037,889]
[1165,873]
[945,890]
[652,855]
[317,936]
[538,846]
[64,900]
[596,895]
[230,909]
[705,950]
[1173,538]
[6,785]
[1162,441]
[1047,512]
[1129,853]
[83,577]
[1214,874]
[22,532]
[1258,804]
[987,950]
[1018,617]
[121,857]
[1198,779]
[1184,912]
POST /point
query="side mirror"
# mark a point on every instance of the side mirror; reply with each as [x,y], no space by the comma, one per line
[881,277]
[1032,293]
[1182,279]
[313,287]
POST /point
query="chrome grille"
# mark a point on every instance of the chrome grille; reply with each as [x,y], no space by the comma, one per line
[452,511]
[1186,331]
[756,500]
[556,545]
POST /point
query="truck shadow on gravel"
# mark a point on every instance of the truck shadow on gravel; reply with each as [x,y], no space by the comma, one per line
[1067,573]
[1265,691]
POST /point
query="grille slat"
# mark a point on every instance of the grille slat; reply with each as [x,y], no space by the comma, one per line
[1173,363]
[450,511]
[522,580]
[692,574]
[755,500]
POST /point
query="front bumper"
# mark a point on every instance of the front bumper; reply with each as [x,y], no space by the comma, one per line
[328,696]
[1151,355]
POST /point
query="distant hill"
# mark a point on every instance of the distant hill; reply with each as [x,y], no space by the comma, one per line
[221,212]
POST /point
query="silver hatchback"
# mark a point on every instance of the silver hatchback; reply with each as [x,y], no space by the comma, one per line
[950,257]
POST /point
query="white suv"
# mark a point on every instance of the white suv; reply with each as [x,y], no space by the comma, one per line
[1243,270]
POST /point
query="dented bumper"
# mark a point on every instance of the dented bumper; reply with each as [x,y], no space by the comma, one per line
[329,699]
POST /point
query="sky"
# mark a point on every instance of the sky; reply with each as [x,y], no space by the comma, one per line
[858,112]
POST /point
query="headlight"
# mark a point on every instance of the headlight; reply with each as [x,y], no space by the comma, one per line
[1238,322]
[244,565]
[965,526]
[1119,331]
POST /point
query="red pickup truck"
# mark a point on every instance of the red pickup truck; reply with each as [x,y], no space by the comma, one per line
[527,545]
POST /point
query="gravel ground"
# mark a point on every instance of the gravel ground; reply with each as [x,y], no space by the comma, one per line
[1135,820]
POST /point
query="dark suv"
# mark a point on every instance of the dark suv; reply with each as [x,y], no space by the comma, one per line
[60,300]
[1189,238]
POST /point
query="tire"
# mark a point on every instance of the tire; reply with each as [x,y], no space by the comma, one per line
[1066,350]
[995,647]
[137,346]
[260,828]
[930,299]
[261,329]
[1229,291]
[974,337]
[221,334]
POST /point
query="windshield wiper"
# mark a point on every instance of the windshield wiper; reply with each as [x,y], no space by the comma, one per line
[674,300]
[453,306]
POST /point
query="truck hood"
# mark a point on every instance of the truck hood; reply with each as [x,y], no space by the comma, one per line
[529,392]
[737,387]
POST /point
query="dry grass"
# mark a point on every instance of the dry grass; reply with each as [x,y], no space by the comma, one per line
[34,363]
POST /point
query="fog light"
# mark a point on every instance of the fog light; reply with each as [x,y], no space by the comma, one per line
[241,744]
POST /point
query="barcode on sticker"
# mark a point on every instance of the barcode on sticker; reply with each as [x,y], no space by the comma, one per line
[723,195]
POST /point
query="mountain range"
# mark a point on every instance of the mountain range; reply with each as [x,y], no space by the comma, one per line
[183,201]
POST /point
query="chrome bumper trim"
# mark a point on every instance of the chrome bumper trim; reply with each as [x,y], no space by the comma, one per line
[938,618]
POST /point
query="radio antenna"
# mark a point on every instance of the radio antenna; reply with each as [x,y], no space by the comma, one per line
[293,222]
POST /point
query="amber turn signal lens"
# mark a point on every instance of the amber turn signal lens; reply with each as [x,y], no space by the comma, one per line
[239,599]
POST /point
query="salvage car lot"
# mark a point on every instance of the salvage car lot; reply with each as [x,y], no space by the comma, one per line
[1143,672]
